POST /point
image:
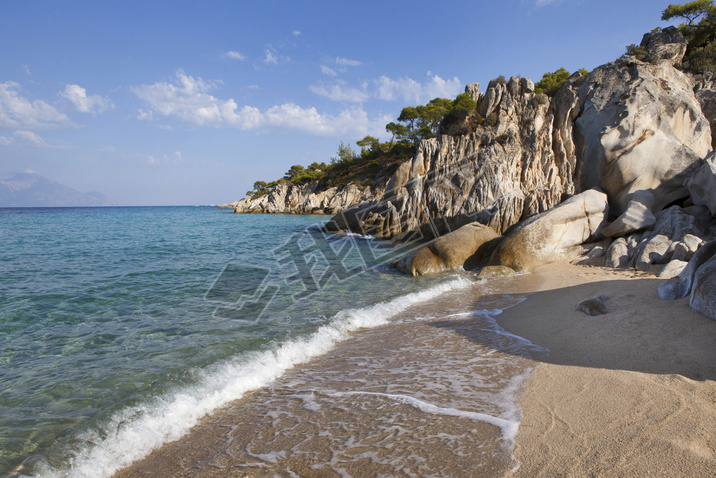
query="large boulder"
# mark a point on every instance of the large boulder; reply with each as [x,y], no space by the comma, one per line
[667,45]
[676,234]
[680,286]
[468,247]
[702,185]
[705,92]
[703,291]
[697,279]
[617,254]
[637,216]
[641,127]
[548,237]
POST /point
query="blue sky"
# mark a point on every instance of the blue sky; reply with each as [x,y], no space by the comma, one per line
[178,102]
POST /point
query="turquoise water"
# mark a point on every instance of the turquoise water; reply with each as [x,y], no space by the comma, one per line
[105,318]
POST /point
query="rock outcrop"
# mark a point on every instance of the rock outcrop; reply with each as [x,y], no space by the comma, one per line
[680,286]
[697,280]
[702,185]
[703,291]
[549,236]
[637,216]
[310,198]
[520,162]
[629,126]
[641,126]
[468,247]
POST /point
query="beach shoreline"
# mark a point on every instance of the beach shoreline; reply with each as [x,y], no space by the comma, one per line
[628,393]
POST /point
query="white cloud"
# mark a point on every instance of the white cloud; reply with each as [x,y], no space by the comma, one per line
[338,92]
[28,138]
[296,33]
[409,90]
[188,99]
[346,62]
[174,158]
[273,58]
[328,71]
[542,3]
[18,112]
[27,70]
[270,58]
[86,104]
[235,55]
[342,65]
[350,122]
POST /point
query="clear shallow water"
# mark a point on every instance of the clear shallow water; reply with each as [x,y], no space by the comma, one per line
[106,332]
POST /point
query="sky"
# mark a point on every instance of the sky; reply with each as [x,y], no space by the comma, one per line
[188,103]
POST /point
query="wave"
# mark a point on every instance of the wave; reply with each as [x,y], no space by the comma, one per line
[134,432]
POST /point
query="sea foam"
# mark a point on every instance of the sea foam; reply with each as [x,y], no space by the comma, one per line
[134,432]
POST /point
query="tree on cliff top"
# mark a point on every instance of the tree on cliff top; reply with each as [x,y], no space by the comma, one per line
[699,31]
[552,82]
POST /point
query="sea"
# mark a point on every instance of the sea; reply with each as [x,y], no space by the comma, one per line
[293,352]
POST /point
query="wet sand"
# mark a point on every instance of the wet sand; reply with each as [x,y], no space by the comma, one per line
[434,393]
[629,393]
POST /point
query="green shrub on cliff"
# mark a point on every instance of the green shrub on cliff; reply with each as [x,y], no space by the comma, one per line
[551,82]
[699,31]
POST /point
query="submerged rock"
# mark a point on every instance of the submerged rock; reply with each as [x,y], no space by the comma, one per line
[491,272]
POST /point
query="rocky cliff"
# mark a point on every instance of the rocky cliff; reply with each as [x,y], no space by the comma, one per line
[628,126]
[309,198]
[519,162]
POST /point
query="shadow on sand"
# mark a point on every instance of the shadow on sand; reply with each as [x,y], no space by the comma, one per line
[640,333]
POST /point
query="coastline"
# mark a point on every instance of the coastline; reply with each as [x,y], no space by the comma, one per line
[433,392]
[629,393]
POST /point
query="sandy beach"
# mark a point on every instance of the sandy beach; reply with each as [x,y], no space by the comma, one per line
[628,393]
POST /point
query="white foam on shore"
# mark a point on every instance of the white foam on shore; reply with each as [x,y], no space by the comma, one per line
[134,432]
[508,427]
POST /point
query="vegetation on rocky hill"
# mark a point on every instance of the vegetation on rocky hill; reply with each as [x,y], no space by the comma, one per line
[699,29]
[377,160]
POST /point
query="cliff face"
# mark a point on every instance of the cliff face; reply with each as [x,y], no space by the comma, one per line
[629,126]
[519,162]
[308,198]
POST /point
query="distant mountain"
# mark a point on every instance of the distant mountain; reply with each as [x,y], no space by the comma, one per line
[32,190]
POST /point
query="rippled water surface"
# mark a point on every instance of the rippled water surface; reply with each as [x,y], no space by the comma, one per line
[105,322]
